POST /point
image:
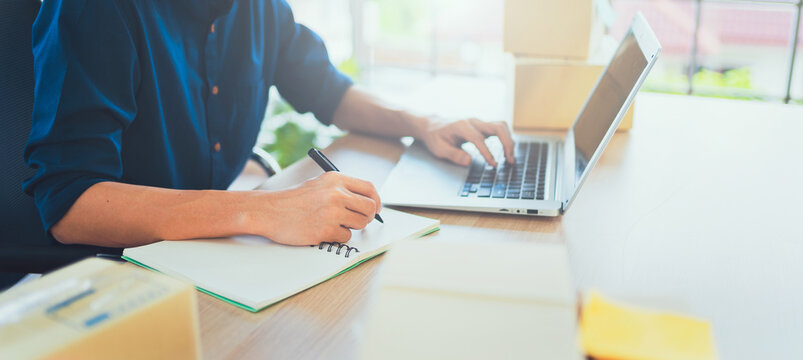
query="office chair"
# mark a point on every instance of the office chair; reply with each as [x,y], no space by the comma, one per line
[24,245]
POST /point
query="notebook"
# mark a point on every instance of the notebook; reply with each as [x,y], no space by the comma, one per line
[253,272]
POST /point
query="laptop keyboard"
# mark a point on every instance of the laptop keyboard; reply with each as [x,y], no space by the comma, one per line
[525,179]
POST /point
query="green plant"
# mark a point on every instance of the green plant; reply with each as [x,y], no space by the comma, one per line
[728,84]
[292,143]
[732,79]
[293,136]
[351,68]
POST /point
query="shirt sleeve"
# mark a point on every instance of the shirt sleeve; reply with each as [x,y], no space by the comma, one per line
[305,76]
[86,72]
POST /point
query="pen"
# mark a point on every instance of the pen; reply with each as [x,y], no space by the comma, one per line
[327,166]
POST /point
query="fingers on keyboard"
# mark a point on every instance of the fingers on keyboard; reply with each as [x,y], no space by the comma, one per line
[525,178]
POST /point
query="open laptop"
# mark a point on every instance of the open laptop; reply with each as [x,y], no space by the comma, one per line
[548,172]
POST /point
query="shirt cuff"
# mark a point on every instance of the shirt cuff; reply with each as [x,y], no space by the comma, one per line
[53,199]
[333,90]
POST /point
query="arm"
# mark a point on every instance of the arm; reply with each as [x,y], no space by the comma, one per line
[114,214]
[361,112]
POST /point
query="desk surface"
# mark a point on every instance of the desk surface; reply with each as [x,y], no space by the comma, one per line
[696,209]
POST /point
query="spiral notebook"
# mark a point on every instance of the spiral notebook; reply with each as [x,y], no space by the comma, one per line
[254,272]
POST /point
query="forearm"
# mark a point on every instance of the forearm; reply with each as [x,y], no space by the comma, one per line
[364,113]
[121,215]
[361,112]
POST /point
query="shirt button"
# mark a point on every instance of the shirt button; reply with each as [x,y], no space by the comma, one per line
[215,90]
[217,147]
[212,29]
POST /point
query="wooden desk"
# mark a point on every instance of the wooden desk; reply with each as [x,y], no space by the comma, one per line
[696,209]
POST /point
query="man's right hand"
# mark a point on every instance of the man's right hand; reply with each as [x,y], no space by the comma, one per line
[320,209]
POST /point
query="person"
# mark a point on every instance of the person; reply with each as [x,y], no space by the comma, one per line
[145,111]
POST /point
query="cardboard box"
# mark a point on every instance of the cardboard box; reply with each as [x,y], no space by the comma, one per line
[100,309]
[549,95]
[564,29]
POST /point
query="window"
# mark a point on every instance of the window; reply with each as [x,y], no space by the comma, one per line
[728,48]
[738,49]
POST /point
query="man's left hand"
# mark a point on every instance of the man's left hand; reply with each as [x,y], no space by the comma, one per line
[444,139]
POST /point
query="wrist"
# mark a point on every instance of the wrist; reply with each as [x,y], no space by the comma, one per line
[419,125]
[266,212]
[255,214]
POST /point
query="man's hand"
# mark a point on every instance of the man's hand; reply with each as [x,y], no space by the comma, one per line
[320,209]
[361,112]
[444,139]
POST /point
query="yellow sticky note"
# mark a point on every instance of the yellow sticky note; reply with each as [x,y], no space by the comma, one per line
[611,331]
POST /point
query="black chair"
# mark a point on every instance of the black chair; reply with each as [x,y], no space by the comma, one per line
[24,245]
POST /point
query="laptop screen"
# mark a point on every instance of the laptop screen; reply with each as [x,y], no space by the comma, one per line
[607,100]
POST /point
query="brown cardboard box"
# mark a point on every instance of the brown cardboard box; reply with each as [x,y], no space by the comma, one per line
[549,95]
[558,29]
[99,309]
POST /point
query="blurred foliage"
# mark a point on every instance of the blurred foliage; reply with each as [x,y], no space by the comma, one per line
[732,79]
[292,143]
[728,84]
[293,140]
[351,68]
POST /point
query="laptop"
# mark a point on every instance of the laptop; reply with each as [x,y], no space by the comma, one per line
[548,172]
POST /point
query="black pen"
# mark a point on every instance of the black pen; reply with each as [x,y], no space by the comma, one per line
[327,166]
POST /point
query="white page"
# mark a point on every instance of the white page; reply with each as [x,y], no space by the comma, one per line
[256,272]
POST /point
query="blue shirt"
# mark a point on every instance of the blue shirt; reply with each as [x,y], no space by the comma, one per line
[166,93]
